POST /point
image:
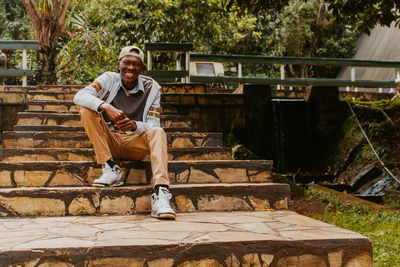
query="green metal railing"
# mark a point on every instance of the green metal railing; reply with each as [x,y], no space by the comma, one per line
[19,45]
[271,60]
[282,61]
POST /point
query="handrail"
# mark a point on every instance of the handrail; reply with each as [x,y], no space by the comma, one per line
[295,81]
[296,60]
[19,45]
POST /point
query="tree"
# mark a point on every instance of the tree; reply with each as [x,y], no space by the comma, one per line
[363,14]
[48,19]
[309,23]
[101,28]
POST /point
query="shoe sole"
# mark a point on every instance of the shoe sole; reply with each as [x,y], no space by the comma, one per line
[166,216]
[111,185]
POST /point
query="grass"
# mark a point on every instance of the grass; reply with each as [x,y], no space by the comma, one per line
[381,226]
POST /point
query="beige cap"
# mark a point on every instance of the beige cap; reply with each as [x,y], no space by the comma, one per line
[132,51]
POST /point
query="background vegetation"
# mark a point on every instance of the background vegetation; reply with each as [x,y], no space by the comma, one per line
[93,32]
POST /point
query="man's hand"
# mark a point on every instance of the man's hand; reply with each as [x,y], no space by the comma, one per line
[114,114]
[125,125]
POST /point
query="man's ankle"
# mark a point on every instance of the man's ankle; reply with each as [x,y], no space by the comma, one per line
[157,188]
[111,163]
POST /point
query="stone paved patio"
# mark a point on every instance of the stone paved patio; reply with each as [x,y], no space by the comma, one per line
[277,236]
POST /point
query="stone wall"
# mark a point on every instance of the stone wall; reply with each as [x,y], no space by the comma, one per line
[210,112]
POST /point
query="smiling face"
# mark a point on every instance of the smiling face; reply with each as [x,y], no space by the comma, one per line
[130,67]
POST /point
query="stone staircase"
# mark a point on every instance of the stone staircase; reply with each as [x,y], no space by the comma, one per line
[230,213]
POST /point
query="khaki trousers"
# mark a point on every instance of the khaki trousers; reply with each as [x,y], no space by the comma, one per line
[119,145]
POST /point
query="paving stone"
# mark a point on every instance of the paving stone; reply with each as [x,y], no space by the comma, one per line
[69,201]
[266,259]
[81,205]
[25,206]
[303,260]
[259,204]
[74,120]
[335,259]
[198,176]
[232,261]
[5,180]
[281,204]
[251,260]
[194,239]
[201,263]
[64,173]
[65,128]
[217,202]
[116,262]
[227,175]
[361,260]
[118,205]
[143,204]
[184,204]
[161,263]
[87,154]
[47,139]
[32,178]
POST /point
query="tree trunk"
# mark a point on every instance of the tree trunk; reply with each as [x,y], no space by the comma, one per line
[48,22]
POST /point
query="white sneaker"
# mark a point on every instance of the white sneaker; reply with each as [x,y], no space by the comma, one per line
[160,207]
[111,177]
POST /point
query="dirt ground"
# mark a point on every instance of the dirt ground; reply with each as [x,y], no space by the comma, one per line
[306,206]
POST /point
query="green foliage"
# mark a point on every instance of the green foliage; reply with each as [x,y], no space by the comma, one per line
[382,227]
[105,26]
[308,22]
[14,24]
[101,27]
[365,14]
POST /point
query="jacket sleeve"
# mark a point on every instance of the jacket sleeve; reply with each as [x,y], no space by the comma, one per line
[89,97]
[153,115]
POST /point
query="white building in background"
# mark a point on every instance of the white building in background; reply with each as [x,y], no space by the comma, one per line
[381,44]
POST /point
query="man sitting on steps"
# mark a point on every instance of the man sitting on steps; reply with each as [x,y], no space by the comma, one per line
[121,115]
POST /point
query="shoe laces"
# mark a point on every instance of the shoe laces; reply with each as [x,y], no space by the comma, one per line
[115,169]
[163,197]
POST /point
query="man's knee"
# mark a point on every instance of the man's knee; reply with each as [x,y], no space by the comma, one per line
[156,132]
[86,113]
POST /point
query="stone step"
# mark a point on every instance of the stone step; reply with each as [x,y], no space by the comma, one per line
[61,128]
[208,239]
[66,201]
[58,88]
[167,108]
[62,119]
[48,105]
[41,95]
[60,139]
[67,93]
[87,154]
[81,173]
[166,88]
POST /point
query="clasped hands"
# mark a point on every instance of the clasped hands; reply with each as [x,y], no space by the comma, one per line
[121,121]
